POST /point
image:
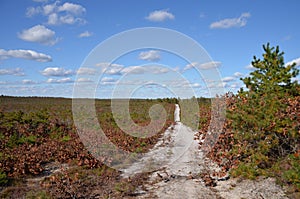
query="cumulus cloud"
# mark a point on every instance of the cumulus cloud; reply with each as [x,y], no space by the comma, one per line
[151,55]
[134,70]
[160,15]
[111,69]
[86,71]
[85,34]
[31,11]
[63,80]
[71,8]
[117,69]
[70,19]
[39,34]
[297,61]
[67,13]
[190,66]
[217,85]
[49,8]
[204,66]
[238,74]
[231,22]
[108,79]
[16,72]
[144,69]
[28,81]
[228,79]
[196,85]
[55,19]
[209,65]
[24,54]
[83,79]
[55,71]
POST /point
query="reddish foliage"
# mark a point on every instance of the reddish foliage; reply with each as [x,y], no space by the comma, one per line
[221,151]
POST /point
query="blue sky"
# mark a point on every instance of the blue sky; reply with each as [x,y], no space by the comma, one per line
[45,42]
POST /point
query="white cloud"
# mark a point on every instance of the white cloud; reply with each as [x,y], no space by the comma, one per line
[103,64]
[160,15]
[176,69]
[250,67]
[63,80]
[55,71]
[85,34]
[190,66]
[82,79]
[71,8]
[31,11]
[53,19]
[50,8]
[228,79]
[66,14]
[196,85]
[204,66]
[117,69]
[209,65]
[28,81]
[107,79]
[134,70]
[111,69]
[86,71]
[235,86]
[151,55]
[114,69]
[238,74]
[144,69]
[297,61]
[231,22]
[39,34]
[16,71]
[57,14]
[217,85]
[24,54]
[67,19]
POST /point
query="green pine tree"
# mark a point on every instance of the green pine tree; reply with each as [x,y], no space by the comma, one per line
[271,74]
[263,130]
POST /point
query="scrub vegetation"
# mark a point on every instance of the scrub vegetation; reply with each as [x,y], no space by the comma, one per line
[36,133]
[41,155]
[262,132]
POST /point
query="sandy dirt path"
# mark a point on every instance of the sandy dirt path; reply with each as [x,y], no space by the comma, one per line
[175,163]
